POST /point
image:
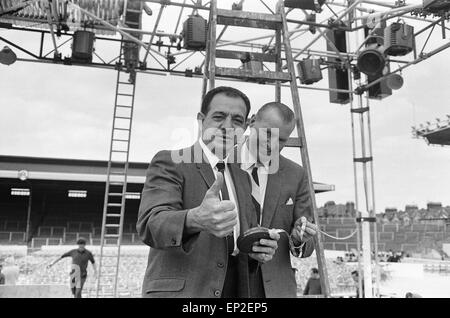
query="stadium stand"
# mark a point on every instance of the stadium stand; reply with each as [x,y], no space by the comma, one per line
[57,220]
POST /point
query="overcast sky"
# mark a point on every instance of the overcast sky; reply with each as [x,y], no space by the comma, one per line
[66,112]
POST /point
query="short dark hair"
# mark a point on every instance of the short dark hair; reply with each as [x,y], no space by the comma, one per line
[228,91]
[315,270]
[284,111]
[81,240]
[355,273]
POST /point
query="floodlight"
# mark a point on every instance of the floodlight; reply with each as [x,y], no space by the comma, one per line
[398,39]
[371,60]
[194,33]
[7,56]
[309,71]
[83,46]
[394,81]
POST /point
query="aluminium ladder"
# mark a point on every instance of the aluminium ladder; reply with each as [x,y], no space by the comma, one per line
[117,170]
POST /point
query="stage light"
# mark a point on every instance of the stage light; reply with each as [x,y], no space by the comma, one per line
[398,39]
[394,81]
[194,33]
[337,75]
[371,60]
[7,56]
[315,5]
[309,71]
[83,46]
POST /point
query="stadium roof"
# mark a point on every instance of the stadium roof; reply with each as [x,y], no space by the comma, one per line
[79,170]
[439,135]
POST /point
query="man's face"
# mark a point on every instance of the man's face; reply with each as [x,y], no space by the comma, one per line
[81,247]
[355,277]
[224,123]
[269,133]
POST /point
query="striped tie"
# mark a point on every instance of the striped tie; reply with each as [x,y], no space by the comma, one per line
[256,193]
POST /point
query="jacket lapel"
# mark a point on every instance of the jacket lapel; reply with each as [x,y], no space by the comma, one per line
[273,191]
[207,173]
[247,216]
[203,165]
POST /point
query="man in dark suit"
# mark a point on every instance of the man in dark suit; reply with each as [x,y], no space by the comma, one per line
[195,204]
[281,198]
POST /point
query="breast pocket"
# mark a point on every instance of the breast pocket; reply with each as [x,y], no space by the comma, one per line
[285,216]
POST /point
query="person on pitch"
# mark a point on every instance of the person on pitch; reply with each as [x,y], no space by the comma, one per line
[78,274]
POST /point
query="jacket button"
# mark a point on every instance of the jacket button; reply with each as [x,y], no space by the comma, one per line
[220,265]
[217,293]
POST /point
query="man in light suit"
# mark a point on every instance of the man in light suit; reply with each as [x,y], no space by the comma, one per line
[281,198]
[195,204]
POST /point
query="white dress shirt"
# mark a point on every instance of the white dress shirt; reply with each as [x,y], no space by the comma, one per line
[213,160]
[248,162]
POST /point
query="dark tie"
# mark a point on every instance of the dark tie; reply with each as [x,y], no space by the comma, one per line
[225,196]
[255,201]
[255,175]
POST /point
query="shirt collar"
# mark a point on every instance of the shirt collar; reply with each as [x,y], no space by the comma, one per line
[212,158]
[249,160]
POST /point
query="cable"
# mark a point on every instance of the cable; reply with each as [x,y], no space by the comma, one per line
[338,238]
[324,233]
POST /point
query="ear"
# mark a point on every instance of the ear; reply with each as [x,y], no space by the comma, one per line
[252,120]
[200,116]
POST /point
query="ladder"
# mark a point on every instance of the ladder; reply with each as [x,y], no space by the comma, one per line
[117,170]
[278,23]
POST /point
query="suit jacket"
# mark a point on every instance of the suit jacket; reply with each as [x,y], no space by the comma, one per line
[178,265]
[290,181]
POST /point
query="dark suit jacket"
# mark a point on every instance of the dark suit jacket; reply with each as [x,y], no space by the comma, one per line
[289,182]
[180,266]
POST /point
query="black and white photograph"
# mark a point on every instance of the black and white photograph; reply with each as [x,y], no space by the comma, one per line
[225,152]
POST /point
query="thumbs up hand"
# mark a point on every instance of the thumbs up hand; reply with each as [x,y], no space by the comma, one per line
[213,215]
